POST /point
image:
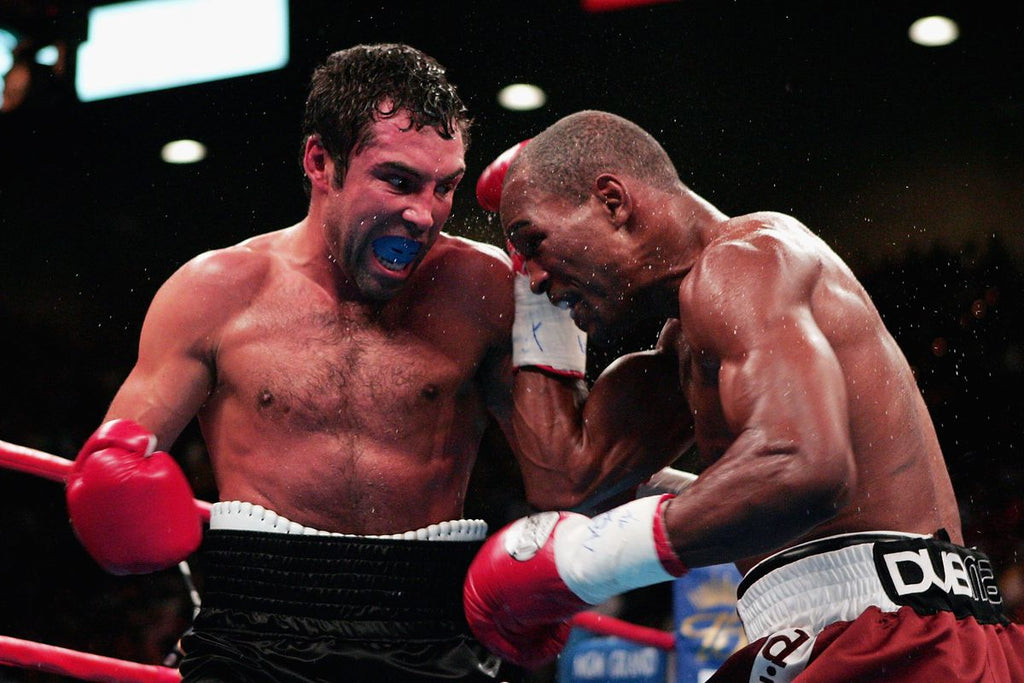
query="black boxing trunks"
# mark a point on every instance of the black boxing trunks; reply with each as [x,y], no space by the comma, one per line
[879,606]
[294,604]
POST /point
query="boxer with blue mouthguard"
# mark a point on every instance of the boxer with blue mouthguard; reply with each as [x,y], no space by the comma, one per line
[396,250]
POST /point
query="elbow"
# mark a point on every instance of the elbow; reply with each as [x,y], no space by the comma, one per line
[825,504]
[565,483]
[829,490]
[565,490]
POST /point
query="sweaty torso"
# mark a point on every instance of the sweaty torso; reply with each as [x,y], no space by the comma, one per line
[354,417]
[901,479]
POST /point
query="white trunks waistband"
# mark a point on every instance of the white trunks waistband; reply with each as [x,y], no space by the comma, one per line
[814,591]
[236,515]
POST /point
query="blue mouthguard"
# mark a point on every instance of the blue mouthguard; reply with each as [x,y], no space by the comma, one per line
[396,249]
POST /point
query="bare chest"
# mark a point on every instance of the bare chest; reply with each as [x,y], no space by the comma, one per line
[315,365]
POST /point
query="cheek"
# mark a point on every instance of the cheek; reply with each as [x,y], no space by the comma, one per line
[342,223]
[603,283]
[441,212]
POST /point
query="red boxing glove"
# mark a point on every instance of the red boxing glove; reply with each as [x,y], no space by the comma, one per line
[516,603]
[131,508]
[488,185]
[543,336]
[532,576]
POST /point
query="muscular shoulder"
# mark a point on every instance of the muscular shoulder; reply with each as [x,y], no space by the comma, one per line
[472,265]
[760,247]
[233,271]
[472,256]
[764,231]
[475,276]
[756,267]
[214,285]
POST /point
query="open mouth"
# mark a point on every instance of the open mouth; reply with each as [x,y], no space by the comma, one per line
[394,252]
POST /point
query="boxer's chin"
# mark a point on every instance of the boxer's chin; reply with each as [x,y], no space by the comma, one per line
[599,332]
[377,283]
[605,335]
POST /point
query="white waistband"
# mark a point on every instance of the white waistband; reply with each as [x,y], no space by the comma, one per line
[236,515]
[815,591]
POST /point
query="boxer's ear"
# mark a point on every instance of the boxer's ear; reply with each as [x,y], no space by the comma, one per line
[614,195]
[317,162]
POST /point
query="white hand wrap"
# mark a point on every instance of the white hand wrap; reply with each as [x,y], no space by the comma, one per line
[614,552]
[544,335]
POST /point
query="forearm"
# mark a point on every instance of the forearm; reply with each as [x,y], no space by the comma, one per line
[576,453]
[784,496]
[164,401]
[550,433]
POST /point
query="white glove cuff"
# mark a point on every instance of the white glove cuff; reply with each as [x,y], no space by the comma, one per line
[545,335]
[613,552]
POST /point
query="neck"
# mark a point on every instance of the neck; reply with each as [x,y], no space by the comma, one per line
[312,250]
[680,227]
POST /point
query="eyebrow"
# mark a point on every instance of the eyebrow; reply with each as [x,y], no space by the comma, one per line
[408,170]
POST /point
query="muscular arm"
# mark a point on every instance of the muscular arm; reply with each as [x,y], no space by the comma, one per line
[173,374]
[785,461]
[578,450]
[574,448]
[130,505]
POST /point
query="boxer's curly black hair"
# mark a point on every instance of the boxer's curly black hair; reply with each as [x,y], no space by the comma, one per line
[358,85]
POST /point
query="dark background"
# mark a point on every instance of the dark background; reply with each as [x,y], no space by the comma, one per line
[909,160]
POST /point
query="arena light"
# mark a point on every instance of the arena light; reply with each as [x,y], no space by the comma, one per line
[521,97]
[48,55]
[8,41]
[610,5]
[183,152]
[934,31]
[145,45]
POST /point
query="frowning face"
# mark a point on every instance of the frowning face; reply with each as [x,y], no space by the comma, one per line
[574,254]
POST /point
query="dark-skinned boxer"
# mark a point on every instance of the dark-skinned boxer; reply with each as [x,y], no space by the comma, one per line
[822,477]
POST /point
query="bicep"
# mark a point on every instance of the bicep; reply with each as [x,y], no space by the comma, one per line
[172,376]
[638,403]
[163,399]
[780,385]
[785,402]
[788,386]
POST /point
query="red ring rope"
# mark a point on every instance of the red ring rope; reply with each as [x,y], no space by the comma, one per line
[58,660]
[610,626]
[31,655]
[28,654]
[24,459]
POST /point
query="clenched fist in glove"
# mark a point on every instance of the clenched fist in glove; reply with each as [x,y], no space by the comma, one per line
[532,576]
[488,185]
[132,508]
[543,335]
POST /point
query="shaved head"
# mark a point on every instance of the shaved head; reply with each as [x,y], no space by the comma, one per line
[567,157]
